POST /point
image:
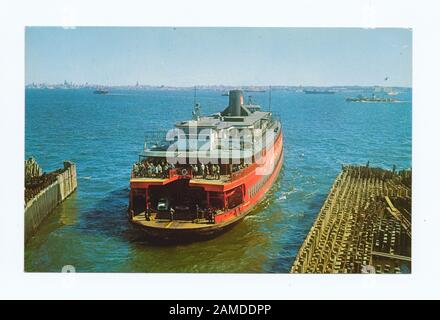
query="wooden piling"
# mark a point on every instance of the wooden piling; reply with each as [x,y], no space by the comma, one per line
[364,225]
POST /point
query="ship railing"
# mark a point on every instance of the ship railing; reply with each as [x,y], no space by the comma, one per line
[186,173]
[243,172]
[156,139]
[181,173]
[163,175]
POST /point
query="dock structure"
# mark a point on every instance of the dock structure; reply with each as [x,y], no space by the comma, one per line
[44,192]
[364,225]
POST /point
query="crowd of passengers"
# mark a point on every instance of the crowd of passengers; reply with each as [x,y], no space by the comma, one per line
[238,167]
[160,169]
[152,169]
[204,170]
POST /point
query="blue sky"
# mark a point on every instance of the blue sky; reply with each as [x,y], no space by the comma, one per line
[214,56]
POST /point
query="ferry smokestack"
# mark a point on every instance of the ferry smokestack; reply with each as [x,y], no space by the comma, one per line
[235,102]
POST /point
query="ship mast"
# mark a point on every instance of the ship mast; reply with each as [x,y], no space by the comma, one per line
[196,110]
[270,98]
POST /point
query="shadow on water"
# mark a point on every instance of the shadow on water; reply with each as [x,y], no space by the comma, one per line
[109,217]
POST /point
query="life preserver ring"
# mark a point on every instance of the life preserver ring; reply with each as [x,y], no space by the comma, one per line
[184,172]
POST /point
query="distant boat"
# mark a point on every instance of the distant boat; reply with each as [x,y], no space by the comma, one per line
[225,94]
[373,98]
[100,91]
[319,92]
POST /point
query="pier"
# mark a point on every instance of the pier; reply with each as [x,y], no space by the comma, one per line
[44,192]
[364,225]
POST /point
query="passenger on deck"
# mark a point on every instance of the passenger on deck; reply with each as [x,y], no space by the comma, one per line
[203,170]
[207,169]
[214,171]
[218,171]
[165,170]
[197,211]
[135,170]
[148,212]
[210,215]
[172,211]
[195,170]
[159,170]
[149,170]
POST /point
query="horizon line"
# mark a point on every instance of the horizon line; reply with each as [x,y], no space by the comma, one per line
[211,85]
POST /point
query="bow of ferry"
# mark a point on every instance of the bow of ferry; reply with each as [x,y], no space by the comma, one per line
[187,201]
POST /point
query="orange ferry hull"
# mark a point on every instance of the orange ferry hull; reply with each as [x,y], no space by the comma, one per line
[210,230]
[256,187]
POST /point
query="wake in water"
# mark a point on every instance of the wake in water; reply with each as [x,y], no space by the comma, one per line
[285,194]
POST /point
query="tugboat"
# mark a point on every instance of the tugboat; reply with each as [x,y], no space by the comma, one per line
[198,192]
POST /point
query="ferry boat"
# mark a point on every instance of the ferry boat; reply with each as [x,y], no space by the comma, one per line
[207,192]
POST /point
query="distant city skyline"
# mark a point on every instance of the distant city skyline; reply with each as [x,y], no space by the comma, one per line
[184,57]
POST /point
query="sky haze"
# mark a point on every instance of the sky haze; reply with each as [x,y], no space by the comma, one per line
[219,56]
